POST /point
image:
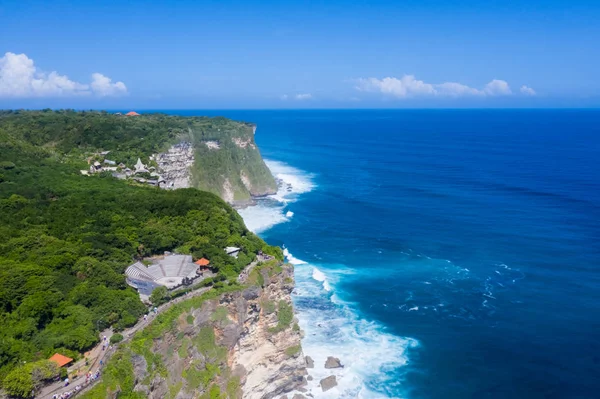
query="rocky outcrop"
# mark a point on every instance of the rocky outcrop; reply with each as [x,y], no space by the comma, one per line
[244,343]
[328,383]
[332,363]
[310,363]
[174,166]
[270,351]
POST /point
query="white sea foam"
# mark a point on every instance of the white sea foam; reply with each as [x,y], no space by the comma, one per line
[319,276]
[292,180]
[291,259]
[272,210]
[334,328]
[262,217]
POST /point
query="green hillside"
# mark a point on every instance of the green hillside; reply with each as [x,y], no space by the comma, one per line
[65,239]
[129,138]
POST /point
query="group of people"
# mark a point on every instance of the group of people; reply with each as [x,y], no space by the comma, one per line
[152,311]
[67,394]
[91,377]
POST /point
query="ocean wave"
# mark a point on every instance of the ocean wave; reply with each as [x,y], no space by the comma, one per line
[292,181]
[319,276]
[371,356]
[291,259]
[273,209]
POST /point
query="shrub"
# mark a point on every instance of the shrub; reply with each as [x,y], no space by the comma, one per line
[116,338]
[293,350]
[159,295]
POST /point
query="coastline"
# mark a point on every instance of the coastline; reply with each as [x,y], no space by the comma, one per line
[330,324]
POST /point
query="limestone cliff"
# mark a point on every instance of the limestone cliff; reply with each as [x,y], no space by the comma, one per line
[240,344]
[228,162]
[217,155]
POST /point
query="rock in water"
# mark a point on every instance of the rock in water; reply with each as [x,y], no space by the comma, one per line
[328,383]
[310,363]
[332,363]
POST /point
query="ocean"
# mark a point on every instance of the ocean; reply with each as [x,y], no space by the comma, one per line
[439,253]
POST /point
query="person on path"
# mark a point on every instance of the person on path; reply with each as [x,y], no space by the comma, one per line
[145,317]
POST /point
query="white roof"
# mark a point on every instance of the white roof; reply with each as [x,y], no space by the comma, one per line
[139,165]
[232,249]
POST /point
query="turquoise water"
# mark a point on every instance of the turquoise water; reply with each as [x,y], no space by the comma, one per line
[441,253]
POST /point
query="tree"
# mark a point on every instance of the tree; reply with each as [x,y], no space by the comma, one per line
[24,380]
[159,295]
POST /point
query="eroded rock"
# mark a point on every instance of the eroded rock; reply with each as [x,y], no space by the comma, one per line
[328,383]
[333,363]
[310,363]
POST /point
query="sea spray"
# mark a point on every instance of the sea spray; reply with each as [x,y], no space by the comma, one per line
[370,355]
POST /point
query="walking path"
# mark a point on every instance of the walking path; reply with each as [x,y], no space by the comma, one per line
[98,354]
[248,269]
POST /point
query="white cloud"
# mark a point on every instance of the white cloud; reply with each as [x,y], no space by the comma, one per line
[528,91]
[103,86]
[20,78]
[408,86]
[497,88]
[299,97]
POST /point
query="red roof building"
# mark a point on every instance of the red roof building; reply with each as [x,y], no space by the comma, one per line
[132,113]
[60,359]
[202,262]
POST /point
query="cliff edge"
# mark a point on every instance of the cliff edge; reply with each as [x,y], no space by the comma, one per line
[243,343]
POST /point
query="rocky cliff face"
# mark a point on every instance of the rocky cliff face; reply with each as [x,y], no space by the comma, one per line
[228,162]
[174,165]
[244,344]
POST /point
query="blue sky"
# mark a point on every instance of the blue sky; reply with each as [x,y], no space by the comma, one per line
[302,54]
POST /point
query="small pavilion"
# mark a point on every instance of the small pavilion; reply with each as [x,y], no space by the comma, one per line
[203,264]
[61,360]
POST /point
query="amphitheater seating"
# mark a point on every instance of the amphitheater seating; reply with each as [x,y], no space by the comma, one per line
[165,271]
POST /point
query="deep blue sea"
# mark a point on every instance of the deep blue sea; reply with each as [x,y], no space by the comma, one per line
[440,253]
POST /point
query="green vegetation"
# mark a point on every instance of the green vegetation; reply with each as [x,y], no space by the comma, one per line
[269,268]
[285,315]
[184,348]
[66,239]
[293,350]
[159,295]
[233,388]
[190,319]
[118,374]
[220,314]
[24,379]
[129,138]
[237,156]
[198,376]
[116,338]
[268,306]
